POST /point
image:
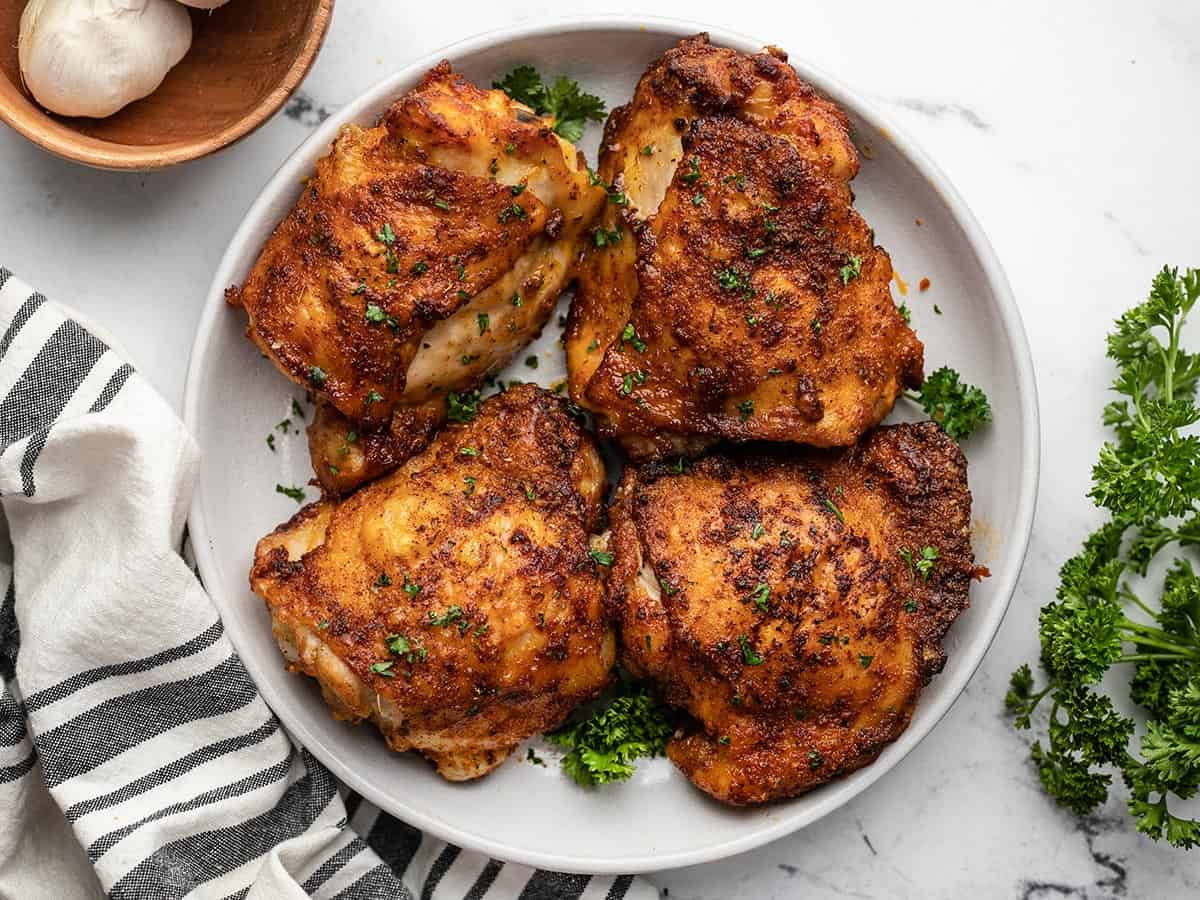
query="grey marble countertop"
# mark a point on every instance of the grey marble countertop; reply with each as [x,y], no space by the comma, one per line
[1072,131]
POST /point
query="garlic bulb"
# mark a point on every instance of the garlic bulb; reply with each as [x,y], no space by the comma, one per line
[92,57]
[204,4]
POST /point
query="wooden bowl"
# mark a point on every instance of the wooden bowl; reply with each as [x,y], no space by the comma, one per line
[246,58]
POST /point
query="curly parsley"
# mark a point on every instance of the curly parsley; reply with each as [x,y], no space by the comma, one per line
[1149,481]
[563,101]
[603,747]
[957,407]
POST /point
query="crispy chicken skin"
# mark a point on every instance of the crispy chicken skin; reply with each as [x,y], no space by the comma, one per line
[745,298]
[453,602]
[767,593]
[421,255]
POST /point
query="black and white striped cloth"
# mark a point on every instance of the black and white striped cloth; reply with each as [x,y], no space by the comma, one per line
[137,759]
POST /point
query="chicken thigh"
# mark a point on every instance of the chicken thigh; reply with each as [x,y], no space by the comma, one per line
[731,290]
[421,255]
[454,602]
[792,603]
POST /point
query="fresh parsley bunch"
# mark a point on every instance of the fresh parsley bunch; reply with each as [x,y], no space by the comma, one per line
[1149,481]
[563,101]
[602,747]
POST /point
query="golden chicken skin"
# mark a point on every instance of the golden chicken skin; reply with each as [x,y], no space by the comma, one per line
[792,602]
[730,290]
[454,602]
[421,255]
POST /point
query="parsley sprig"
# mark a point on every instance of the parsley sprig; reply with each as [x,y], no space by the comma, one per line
[957,407]
[603,747]
[564,101]
[1149,481]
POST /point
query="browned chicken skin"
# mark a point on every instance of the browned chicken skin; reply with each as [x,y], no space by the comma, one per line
[454,602]
[735,293]
[768,593]
[421,256]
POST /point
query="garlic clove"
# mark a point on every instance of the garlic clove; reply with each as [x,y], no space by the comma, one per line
[93,57]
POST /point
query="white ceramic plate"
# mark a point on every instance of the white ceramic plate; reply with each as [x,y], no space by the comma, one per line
[524,812]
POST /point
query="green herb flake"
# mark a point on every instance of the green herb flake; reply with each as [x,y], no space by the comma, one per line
[851,270]
[749,655]
[295,493]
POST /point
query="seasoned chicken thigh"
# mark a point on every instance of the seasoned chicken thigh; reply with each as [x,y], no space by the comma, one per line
[731,290]
[792,603]
[453,602]
[422,254]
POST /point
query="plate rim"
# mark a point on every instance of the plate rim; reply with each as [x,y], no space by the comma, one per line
[1025,387]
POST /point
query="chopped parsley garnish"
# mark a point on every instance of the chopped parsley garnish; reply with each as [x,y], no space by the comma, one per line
[295,493]
[697,198]
[606,237]
[630,336]
[513,211]
[517,190]
[469,451]
[851,269]
[563,101]
[384,580]
[361,288]
[904,313]
[375,315]
[667,588]
[532,757]
[745,409]
[602,747]
[410,587]
[749,655]
[760,596]
[620,198]
[383,668]
[958,408]
[517,301]
[271,442]
[466,359]
[408,649]
[462,407]
[832,507]
[531,361]
[921,564]
[601,557]
[469,481]
[442,205]
[865,660]
[530,493]
[418,269]
[373,396]
[692,175]
[452,614]
[815,760]
[730,279]
[385,235]
[910,605]
[648,150]
[757,531]
[317,376]
[484,322]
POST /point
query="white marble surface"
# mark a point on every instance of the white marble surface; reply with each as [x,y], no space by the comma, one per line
[1071,130]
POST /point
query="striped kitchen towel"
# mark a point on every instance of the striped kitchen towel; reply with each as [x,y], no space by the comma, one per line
[137,759]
